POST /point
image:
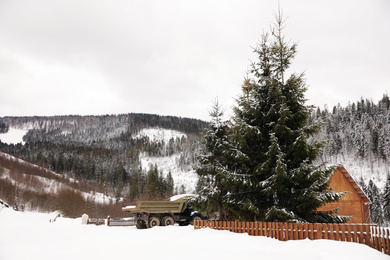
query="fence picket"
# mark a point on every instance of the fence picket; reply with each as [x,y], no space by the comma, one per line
[382,238]
[355,233]
[361,235]
[325,228]
[305,231]
[387,236]
[331,234]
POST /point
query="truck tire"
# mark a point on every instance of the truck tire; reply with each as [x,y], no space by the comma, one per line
[195,217]
[154,221]
[167,221]
[140,224]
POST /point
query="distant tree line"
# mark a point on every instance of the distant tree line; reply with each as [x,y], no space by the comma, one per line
[360,129]
[103,149]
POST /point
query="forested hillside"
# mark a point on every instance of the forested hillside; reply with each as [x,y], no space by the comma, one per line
[113,150]
[358,136]
[107,149]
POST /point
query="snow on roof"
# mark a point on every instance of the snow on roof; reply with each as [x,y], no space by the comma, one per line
[129,207]
[356,186]
[181,196]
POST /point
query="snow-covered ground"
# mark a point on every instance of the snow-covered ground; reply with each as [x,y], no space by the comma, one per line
[13,136]
[159,134]
[30,236]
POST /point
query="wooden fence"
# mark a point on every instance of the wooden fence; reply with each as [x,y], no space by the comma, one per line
[370,235]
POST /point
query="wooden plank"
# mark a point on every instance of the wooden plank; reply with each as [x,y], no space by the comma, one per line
[336,233]
[342,232]
[268,228]
[354,229]
[306,231]
[361,234]
[325,228]
[373,237]
[367,235]
[348,233]
[295,231]
[274,230]
[311,231]
[319,231]
[301,231]
[285,232]
[261,233]
[281,232]
[382,239]
[387,238]
[331,232]
[256,228]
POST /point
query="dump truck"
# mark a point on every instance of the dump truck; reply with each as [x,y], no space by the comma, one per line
[164,213]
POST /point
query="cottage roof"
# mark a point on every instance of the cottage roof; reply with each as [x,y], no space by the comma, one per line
[354,184]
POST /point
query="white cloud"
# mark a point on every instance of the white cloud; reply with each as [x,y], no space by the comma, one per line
[174,57]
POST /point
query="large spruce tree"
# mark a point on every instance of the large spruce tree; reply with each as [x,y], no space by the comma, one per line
[270,172]
[213,159]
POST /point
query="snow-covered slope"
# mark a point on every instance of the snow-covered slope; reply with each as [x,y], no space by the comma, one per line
[182,176]
[160,134]
[13,136]
[31,236]
[363,170]
[51,183]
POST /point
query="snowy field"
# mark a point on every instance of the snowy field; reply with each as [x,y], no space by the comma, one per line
[13,136]
[31,236]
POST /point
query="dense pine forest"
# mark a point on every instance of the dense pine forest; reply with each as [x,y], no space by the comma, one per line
[106,149]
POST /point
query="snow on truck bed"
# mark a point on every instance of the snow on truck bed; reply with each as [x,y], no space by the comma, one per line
[31,236]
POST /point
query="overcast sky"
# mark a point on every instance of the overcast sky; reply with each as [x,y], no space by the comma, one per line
[92,57]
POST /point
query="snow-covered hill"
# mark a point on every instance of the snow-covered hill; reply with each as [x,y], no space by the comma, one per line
[31,236]
[184,177]
[27,178]
[13,136]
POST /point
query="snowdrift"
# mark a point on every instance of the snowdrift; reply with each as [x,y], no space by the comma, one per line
[35,236]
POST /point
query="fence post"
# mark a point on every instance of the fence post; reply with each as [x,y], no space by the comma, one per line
[342,228]
[348,232]
[331,235]
[281,233]
[360,231]
[387,238]
[382,246]
[291,231]
[355,233]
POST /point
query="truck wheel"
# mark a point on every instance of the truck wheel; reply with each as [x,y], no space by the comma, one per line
[167,221]
[154,221]
[195,218]
[140,224]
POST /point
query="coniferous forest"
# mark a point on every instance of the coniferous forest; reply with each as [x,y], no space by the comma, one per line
[106,150]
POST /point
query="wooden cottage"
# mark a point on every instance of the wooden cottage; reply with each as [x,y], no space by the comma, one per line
[355,203]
